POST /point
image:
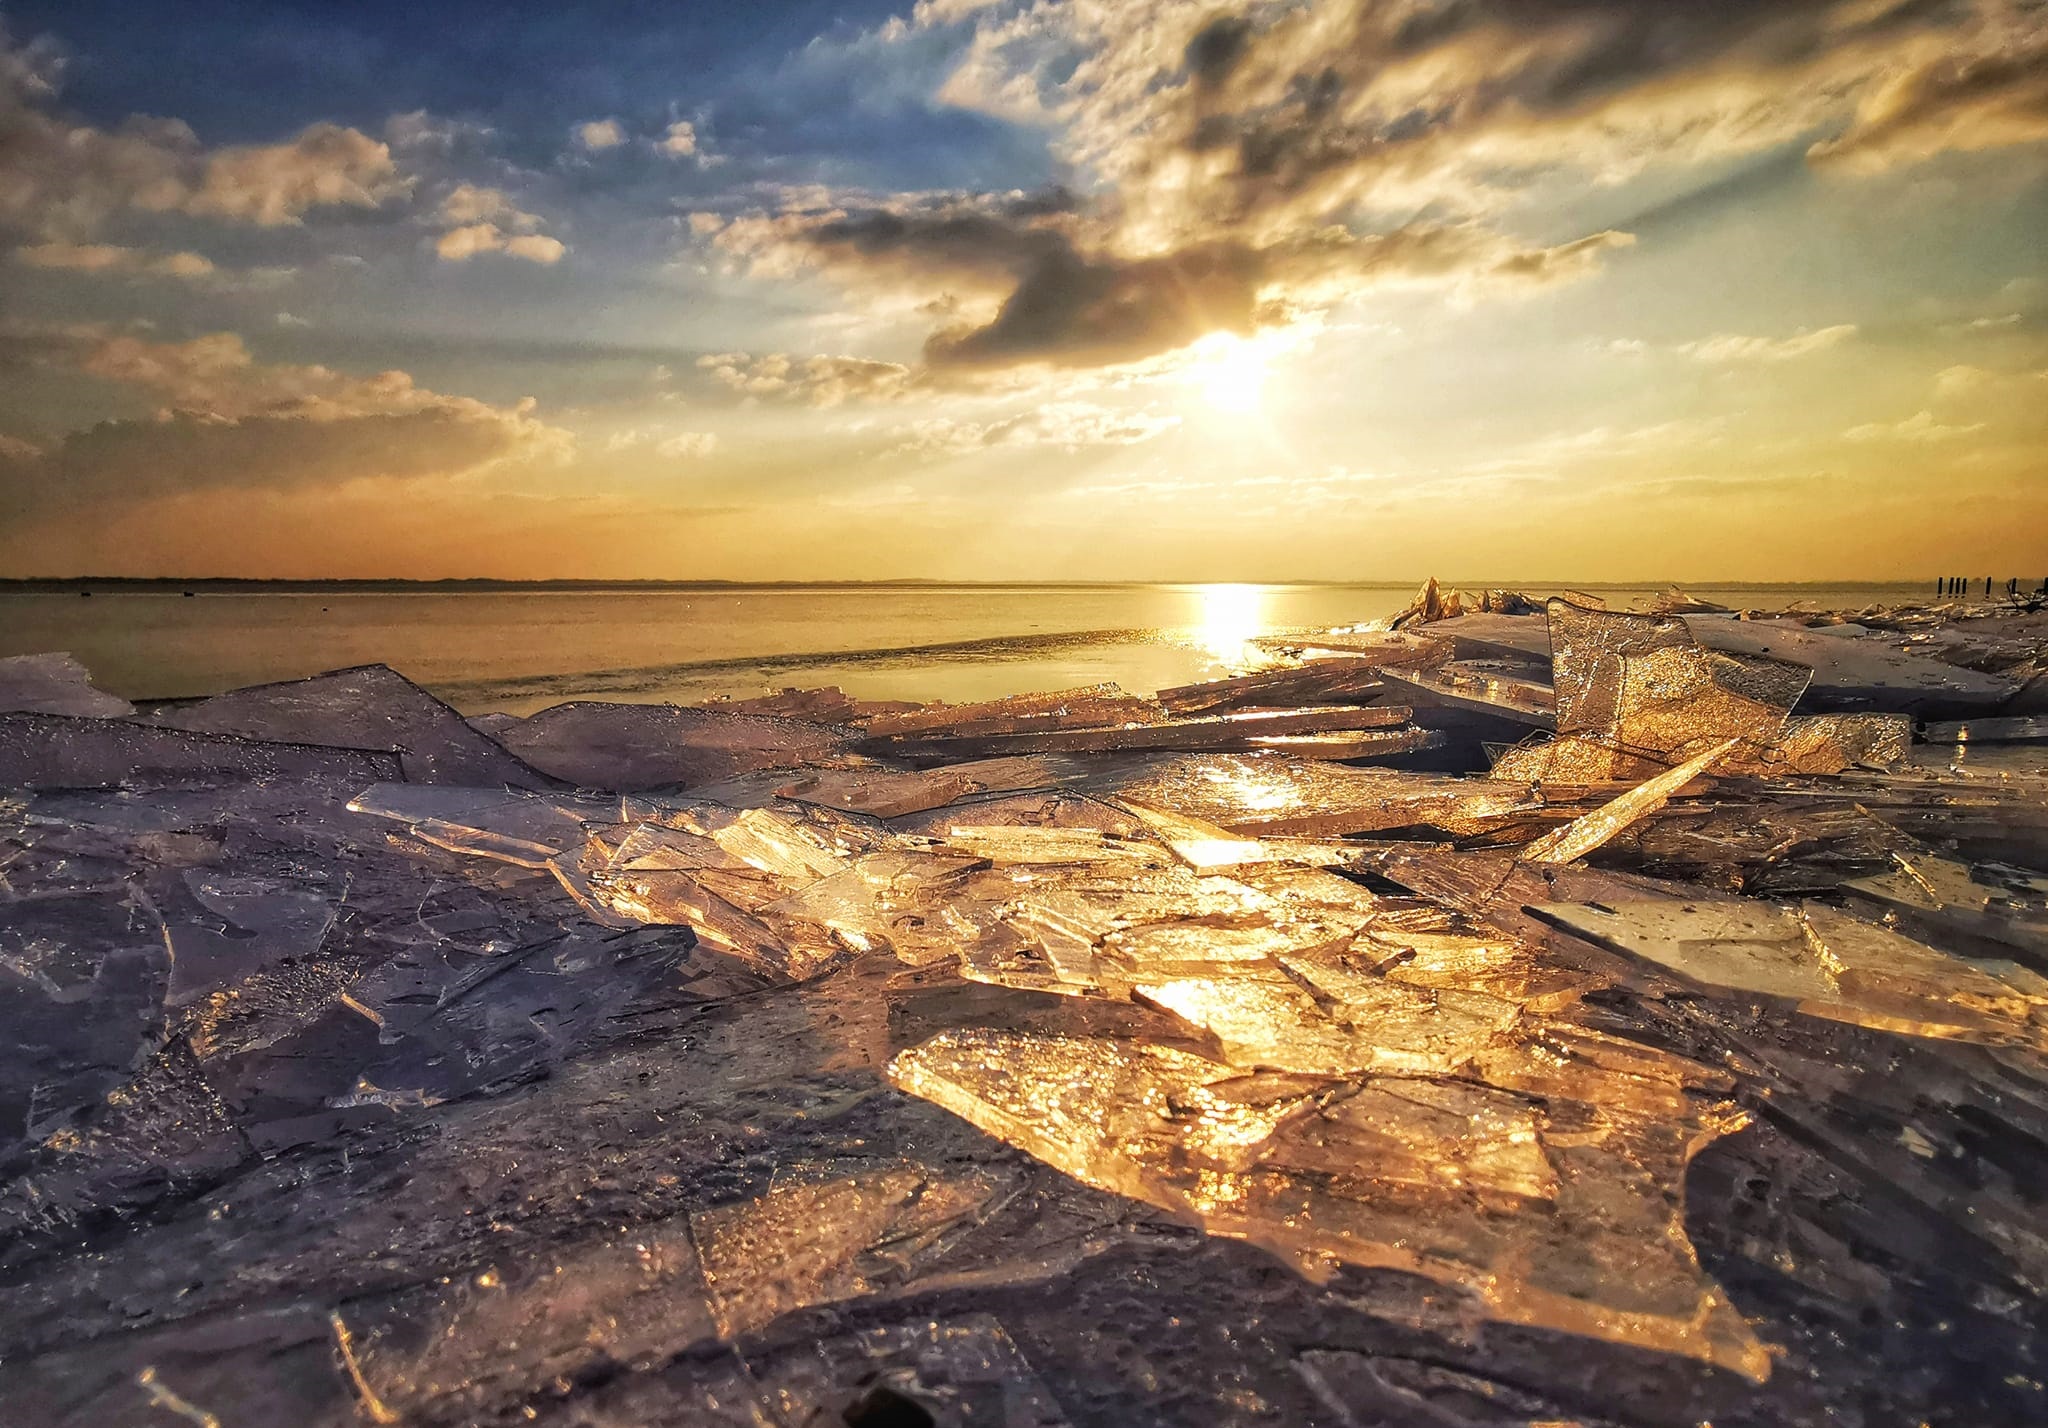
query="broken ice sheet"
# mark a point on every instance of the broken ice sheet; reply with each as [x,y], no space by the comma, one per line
[1348,678]
[892,793]
[1990,914]
[1642,683]
[967,1367]
[82,983]
[1221,731]
[57,751]
[1829,744]
[1588,833]
[1096,706]
[484,1341]
[524,829]
[1375,1025]
[1828,963]
[1415,1181]
[635,747]
[1673,701]
[817,1238]
[55,684]
[1571,759]
[242,925]
[1271,794]
[1480,689]
[369,707]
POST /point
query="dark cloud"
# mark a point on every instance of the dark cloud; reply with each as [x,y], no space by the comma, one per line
[1082,312]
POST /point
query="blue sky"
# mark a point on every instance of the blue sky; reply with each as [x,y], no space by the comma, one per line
[1266,290]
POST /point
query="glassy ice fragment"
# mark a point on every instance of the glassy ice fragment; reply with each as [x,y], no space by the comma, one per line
[490,823]
[1097,706]
[1013,844]
[370,707]
[892,793]
[1828,963]
[1829,744]
[82,984]
[1853,674]
[1347,745]
[55,684]
[57,751]
[1476,689]
[825,1240]
[1376,1026]
[1221,731]
[254,922]
[1947,901]
[1587,647]
[492,1338]
[1572,759]
[1320,681]
[1672,701]
[1268,795]
[1586,834]
[1201,845]
[634,747]
[968,1368]
[1610,1259]
[2019,729]
[762,838]
[909,901]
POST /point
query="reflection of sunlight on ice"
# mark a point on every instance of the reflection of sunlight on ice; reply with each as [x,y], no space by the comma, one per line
[1253,788]
[1231,615]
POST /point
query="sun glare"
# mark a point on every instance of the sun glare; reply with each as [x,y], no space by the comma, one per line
[1230,618]
[1230,373]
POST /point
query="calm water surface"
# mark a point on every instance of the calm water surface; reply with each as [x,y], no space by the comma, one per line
[523,650]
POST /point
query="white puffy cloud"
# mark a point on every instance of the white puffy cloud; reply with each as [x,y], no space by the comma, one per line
[600,134]
[681,140]
[61,179]
[275,184]
[460,244]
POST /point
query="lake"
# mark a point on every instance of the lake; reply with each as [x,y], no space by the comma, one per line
[520,650]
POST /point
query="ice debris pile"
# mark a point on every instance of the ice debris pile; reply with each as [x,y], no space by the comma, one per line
[1532,1015]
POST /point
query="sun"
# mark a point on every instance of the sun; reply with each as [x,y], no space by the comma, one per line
[1229,372]
[1231,616]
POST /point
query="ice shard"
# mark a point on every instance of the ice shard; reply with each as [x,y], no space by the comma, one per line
[635,747]
[59,751]
[55,684]
[1416,1178]
[1586,834]
[370,707]
[1826,963]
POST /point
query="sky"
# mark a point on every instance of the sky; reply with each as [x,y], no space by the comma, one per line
[1025,289]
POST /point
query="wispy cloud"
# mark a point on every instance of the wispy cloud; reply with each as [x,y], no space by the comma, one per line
[1732,347]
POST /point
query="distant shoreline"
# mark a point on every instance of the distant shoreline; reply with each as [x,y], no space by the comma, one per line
[229,585]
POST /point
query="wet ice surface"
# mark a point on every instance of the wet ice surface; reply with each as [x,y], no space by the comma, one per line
[1074,1059]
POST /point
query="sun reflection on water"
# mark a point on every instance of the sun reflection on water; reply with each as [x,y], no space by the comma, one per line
[1229,619]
